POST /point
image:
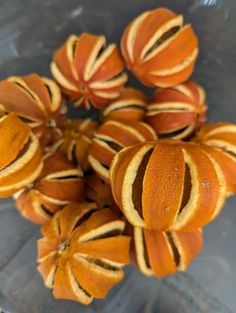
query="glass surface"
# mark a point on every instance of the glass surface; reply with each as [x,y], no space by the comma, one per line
[29,31]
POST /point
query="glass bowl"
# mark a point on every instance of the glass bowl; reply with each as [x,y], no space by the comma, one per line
[29,32]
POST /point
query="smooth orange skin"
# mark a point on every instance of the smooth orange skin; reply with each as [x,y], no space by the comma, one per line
[112,66]
[163,186]
[176,51]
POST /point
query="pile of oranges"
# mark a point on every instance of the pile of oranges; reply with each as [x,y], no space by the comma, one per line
[142,181]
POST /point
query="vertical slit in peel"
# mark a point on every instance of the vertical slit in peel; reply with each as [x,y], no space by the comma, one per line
[26,90]
[100,52]
[164,37]
[74,48]
[73,157]
[65,177]
[173,134]
[129,106]
[226,150]
[26,120]
[77,285]
[21,153]
[46,210]
[84,217]
[88,103]
[99,55]
[115,77]
[101,263]
[109,234]
[174,249]
[145,253]
[107,167]
[58,224]
[79,100]
[49,91]
[51,277]
[137,187]
[187,188]
[113,145]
